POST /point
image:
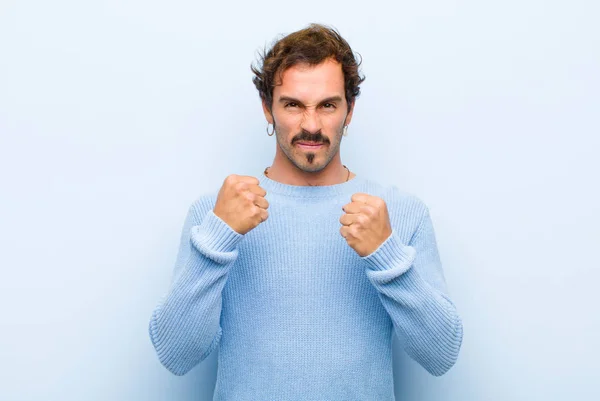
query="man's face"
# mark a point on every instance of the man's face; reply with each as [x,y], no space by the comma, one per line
[310,106]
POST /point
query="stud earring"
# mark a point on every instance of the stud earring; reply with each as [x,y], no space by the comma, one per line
[345,131]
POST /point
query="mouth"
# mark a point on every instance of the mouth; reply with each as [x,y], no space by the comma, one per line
[310,145]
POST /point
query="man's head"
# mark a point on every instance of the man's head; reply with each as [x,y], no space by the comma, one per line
[308,83]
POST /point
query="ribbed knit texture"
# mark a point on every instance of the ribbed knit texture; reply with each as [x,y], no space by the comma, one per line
[295,312]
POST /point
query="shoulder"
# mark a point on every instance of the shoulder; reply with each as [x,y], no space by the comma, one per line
[396,199]
[406,210]
[202,204]
[405,206]
[205,201]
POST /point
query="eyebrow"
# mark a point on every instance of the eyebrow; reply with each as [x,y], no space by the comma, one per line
[330,99]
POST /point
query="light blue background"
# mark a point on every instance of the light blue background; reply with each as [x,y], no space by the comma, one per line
[116,115]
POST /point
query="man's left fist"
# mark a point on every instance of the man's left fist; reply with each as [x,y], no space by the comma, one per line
[366,223]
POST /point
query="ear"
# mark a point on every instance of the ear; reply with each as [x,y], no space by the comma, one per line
[268,114]
[349,115]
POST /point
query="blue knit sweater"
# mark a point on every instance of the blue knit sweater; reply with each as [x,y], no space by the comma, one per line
[295,312]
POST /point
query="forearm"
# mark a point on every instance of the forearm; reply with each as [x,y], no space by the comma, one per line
[424,318]
[184,327]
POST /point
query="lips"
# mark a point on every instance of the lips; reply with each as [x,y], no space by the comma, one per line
[310,143]
[311,146]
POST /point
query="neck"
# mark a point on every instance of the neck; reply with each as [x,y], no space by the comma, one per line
[333,173]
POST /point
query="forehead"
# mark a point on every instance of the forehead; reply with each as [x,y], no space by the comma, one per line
[303,81]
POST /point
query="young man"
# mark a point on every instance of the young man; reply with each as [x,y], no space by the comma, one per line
[303,299]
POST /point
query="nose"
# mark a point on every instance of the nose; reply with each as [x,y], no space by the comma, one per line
[310,121]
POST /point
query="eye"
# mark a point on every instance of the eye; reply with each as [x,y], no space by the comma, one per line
[291,104]
[329,106]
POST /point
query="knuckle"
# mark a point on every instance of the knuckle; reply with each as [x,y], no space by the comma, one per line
[250,196]
[230,179]
[239,186]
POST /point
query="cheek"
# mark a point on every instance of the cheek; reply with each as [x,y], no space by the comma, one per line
[288,124]
[334,124]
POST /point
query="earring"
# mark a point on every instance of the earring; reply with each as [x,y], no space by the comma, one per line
[272,132]
[345,132]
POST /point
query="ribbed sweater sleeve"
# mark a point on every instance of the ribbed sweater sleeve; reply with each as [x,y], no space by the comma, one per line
[185,326]
[411,285]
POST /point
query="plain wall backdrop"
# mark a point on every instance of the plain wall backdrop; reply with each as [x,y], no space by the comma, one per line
[116,115]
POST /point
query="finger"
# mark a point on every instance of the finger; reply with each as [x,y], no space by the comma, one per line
[344,231]
[260,201]
[257,189]
[356,207]
[360,197]
[263,215]
[249,179]
[348,219]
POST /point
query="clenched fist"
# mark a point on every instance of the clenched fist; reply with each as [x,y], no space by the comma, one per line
[366,223]
[241,203]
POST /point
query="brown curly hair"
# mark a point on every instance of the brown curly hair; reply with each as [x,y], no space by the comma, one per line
[311,45]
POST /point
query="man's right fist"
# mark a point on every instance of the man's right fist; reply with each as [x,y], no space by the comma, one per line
[241,203]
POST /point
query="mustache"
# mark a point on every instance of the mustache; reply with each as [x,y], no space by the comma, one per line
[306,136]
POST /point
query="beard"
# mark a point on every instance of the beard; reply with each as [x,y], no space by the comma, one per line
[307,160]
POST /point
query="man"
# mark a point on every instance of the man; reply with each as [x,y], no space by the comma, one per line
[303,299]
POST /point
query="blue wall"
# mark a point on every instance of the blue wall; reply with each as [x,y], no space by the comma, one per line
[116,115]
